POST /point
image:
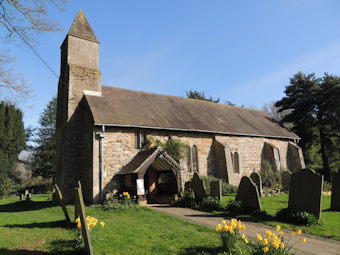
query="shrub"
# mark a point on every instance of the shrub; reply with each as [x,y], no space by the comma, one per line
[7,186]
[186,200]
[268,175]
[226,188]
[296,217]
[209,204]
[37,185]
[234,206]
[121,201]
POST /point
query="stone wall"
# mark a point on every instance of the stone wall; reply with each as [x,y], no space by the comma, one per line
[214,153]
[250,150]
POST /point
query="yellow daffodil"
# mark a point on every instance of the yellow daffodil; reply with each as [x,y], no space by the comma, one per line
[226,228]
[102,224]
[278,228]
[281,233]
[265,249]
[224,222]
[304,240]
[265,241]
[219,228]
[269,233]
[292,234]
[299,232]
[258,237]
[282,245]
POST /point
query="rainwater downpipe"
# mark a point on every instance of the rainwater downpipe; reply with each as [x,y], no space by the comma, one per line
[101,135]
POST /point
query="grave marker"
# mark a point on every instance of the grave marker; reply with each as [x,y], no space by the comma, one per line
[285,179]
[62,204]
[305,192]
[248,194]
[256,178]
[335,200]
[216,189]
[197,187]
[80,207]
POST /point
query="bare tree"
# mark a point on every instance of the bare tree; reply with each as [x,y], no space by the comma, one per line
[273,111]
[22,19]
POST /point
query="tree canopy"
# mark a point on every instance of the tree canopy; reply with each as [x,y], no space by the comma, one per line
[44,153]
[314,112]
[12,141]
[200,96]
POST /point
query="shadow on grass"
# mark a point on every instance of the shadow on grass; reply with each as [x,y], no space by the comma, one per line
[22,206]
[61,247]
[28,252]
[201,250]
[50,224]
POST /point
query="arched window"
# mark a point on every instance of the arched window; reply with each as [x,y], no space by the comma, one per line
[189,159]
[194,159]
[236,163]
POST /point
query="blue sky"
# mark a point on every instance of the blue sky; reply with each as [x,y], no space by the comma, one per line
[241,51]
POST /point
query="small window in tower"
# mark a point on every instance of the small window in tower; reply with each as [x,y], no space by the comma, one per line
[194,159]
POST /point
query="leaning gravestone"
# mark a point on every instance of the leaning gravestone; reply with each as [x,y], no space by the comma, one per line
[256,178]
[216,189]
[335,200]
[197,187]
[248,194]
[285,179]
[80,208]
[62,204]
[305,192]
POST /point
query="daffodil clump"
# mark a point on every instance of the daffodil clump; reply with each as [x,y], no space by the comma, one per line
[120,201]
[233,241]
[90,222]
[274,243]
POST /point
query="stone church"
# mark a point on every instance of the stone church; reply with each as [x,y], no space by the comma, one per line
[101,131]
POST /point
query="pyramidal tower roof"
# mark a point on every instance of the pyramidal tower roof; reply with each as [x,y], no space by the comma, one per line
[81,28]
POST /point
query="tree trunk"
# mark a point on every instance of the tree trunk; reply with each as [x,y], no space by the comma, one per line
[325,163]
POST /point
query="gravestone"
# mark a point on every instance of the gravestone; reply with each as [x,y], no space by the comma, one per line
[26,193]
[305,192]
[21,196]
[197,187]
[285,179]
[62,204]
[256,178]
[335,200]
[248,194]
[216,189]
[80,208]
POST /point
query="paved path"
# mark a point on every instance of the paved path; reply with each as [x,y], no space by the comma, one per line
[315,245]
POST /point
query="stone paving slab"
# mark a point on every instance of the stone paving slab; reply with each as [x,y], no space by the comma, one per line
[314,245]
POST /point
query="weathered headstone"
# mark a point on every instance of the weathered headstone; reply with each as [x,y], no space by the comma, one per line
[26,193]
[197,187]
[80,207]
[216,189]
[285,179]
[256,178]
[248,194]
[305,192]
[21,196]
[335,200]
[76,213]
[62,204]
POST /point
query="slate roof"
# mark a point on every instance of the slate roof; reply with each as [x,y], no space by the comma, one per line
[81,28]
[129,108]
[133,165]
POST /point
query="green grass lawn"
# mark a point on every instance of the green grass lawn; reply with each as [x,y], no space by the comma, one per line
[36,227]
[329,225]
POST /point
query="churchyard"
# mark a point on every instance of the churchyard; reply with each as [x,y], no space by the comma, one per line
[39,226]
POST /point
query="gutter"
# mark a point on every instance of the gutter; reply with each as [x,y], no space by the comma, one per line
[101,135]
[198,130]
